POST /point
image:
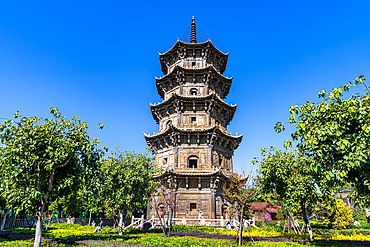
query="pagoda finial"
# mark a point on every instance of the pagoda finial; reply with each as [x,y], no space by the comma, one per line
[193,37]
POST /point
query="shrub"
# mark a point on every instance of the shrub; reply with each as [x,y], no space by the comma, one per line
[76,227]
[108,230]
[279,214]
[268,217]
[340,216]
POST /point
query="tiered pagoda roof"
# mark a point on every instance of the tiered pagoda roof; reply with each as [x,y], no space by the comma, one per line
[193,116]
[178,52]
[172,101]
[193,150]
[173,132]
[172,79]
[200,173]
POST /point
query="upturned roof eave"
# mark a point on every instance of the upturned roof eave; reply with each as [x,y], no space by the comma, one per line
[192,69]
[192,130]
[191,174]
[163,66]
[192,97]
[192,44]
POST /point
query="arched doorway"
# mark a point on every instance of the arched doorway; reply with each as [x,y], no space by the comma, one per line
[193,91]
[193,161]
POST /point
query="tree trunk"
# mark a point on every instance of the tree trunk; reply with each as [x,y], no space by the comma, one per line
[114,221]
[173,208]
[306,221]
[170,224]
[241,226]
[304,224]
[294,226]
[159,216]
[49,222]
[4,219]
[120,215]
[38,228]
[292,222]
[289,230]
[90,219]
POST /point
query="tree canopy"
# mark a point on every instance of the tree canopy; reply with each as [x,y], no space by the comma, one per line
[335,134]
[41,159]
[127,181]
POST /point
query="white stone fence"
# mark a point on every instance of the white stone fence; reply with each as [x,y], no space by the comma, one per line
[138,222]
[134,222]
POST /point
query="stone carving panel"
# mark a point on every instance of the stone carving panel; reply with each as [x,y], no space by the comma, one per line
[205,206]
[182,207]
[203,158]
[218,206]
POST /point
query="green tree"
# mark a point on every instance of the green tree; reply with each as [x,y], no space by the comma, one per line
[239,193]
[165,193]
[89,193]
[128,181]
[37,154]
[335,134]
[285,174]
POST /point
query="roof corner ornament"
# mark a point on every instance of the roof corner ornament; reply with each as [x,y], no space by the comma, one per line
[193,37]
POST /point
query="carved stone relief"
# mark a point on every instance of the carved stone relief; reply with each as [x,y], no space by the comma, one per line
[218,205]
[182,205]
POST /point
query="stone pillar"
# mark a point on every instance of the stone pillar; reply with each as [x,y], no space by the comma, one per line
[213,204]
[148,213]
[176,160]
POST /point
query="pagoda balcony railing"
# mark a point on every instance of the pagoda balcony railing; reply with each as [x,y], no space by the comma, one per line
[197,170]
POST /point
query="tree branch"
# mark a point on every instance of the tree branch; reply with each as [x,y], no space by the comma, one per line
[62,165]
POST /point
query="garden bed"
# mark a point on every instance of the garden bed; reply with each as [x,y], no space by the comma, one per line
[64,235]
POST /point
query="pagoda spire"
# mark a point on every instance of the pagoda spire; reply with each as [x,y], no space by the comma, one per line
[193,37]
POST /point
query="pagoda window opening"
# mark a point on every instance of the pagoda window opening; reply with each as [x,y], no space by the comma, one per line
[164,161]
[193,64]
[193,91]
[193,207]
[193,161]
[193,120]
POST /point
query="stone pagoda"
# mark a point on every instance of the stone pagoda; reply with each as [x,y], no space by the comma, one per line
[193,148]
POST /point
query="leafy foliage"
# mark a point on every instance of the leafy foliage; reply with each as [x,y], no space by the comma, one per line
[341,215]
[335,134]
[239,193]
[127,181]
[38,153]
[42,159]
[283,173]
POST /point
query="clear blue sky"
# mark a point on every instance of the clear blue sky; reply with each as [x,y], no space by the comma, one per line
[98,60]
